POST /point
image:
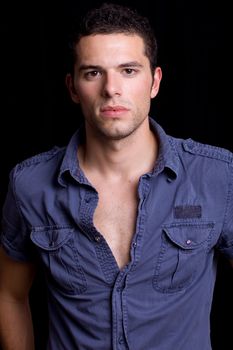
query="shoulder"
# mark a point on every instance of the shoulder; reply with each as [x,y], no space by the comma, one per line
[42,166]
[35,174]
[198,149]
[41,158]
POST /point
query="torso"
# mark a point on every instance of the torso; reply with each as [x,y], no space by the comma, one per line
[115,217]
[116,182]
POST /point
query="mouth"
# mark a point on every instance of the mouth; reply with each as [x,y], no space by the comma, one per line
[111,111]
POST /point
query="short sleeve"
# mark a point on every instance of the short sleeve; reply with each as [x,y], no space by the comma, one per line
[15,235]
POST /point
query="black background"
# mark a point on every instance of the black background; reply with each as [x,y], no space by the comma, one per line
[195,99]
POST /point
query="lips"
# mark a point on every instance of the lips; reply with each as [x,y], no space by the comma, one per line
[113,109]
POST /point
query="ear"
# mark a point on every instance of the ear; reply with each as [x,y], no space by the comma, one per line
[156,82]
[69,80]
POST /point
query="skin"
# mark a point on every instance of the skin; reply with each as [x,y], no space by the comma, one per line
[113,71]
[114,136]
[16,331]
[114,85]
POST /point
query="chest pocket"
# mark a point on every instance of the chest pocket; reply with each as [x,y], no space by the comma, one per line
[184,248]
[60,258]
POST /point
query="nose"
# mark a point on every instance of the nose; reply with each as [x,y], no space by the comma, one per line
[111,85]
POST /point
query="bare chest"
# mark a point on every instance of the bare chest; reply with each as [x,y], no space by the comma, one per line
[115,219]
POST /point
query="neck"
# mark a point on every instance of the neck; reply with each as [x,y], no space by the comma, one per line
[127,158]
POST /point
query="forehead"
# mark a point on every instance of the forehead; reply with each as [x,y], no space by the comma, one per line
[94,49]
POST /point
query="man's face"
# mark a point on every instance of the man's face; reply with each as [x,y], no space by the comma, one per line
[113,83]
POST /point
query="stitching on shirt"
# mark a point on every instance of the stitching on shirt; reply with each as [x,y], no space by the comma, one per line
[206,150]
[39,157]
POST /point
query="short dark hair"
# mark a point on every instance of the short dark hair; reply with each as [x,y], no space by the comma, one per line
[112,18]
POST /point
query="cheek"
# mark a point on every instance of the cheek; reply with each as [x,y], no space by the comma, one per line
[142,97]
[87,100]
[143,87]
[142,93]
[87,93]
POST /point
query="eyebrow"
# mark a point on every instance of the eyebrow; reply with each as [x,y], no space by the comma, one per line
[89,66]
[122,65]
[130,64]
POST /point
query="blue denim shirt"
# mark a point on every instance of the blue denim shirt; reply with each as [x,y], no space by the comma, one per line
[162,299]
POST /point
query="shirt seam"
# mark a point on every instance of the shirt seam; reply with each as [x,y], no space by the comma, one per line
[228,199]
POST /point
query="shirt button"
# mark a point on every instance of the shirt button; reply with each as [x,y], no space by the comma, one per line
[121,340]
[97,238]
[188,242]
[134,244]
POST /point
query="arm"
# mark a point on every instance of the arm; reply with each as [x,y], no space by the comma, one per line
[16,330]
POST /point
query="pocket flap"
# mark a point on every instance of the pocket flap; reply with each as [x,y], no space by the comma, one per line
[189,235]
[50,238]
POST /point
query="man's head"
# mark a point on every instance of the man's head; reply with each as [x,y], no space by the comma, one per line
[114,18]
[114,73]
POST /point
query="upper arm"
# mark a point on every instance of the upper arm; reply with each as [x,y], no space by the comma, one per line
[15,277]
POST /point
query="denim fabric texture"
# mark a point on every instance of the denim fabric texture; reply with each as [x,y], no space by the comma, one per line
[162,299]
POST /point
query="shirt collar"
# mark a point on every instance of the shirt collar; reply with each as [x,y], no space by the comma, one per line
[167,158]
[70,164]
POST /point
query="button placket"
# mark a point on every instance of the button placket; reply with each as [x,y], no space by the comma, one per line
[119,310]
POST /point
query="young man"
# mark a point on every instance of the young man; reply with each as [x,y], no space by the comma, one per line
[126,220]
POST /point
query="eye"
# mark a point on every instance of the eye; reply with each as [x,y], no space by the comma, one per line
[93,74]
[130,71]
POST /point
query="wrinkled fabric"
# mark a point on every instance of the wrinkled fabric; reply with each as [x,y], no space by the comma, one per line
[162,299]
